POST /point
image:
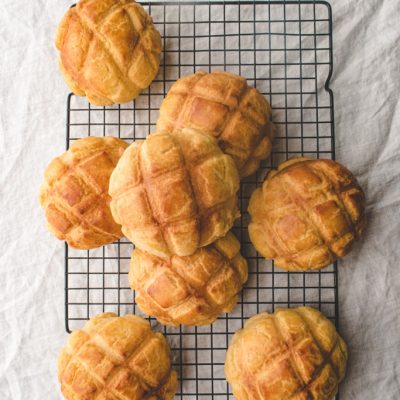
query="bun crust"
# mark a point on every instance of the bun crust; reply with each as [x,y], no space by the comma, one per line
[174,192]
[191,290]
[292,354]
[109,50]
[221,104]
[307,214]
[75,193]
[116,358]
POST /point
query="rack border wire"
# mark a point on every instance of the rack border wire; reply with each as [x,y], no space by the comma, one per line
[199,349]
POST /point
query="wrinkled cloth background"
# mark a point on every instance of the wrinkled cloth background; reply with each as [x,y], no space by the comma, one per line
[366,85]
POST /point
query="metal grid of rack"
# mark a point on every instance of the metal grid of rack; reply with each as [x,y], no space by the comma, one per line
[284,48]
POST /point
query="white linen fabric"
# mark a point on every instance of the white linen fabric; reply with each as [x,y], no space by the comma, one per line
[366,87]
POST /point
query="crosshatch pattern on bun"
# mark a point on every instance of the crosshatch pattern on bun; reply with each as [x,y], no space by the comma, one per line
[222,105]
[307,214]
[75,195]
[292,354]
[192,290]
[109,50]
[174,192]
[115,357]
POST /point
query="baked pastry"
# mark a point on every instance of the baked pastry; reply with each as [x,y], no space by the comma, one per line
[222,105]
[307,214]
[292,354]
[116,358]
[109,50]
[174,192]
[75,193]
[191,290]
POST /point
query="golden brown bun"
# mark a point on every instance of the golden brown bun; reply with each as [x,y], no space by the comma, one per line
[191,290]
[293,354]
[109,50]
[222,105]
[174,192]
[307,214]
[116,358]
[75,193]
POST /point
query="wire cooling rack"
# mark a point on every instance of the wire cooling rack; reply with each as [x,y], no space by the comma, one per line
[284,48]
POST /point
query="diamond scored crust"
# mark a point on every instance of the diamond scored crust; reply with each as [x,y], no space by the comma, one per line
[293,354]
[116,358]
[190,290]
[222,105]
[307,213]
[174,192]
[75,192]
[109,50]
